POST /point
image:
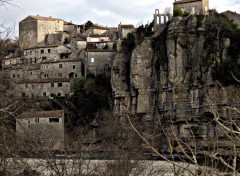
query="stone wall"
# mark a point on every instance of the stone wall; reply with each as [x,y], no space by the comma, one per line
[99,61]
[45,133]
[193,6]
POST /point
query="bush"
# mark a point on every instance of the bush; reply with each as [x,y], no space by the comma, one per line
[177,12]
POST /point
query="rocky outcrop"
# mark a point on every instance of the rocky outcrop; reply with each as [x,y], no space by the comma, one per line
[169,83]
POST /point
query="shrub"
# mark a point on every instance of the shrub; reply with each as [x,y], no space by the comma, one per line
[177,12]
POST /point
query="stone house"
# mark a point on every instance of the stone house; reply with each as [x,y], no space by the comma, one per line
[49,88]
[45,54]
[40,130]
[192,6]
[99,61]
[124,29]
[33,30]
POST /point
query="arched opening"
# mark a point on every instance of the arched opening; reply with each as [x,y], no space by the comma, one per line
[71,75]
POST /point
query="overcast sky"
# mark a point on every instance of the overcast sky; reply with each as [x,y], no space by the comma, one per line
[104,12]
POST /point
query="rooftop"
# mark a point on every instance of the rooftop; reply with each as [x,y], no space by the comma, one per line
[185,1]
[33,114]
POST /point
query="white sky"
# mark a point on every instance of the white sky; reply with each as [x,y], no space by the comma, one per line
[104,12]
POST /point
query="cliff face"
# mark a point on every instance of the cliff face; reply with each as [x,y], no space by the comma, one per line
[168,83]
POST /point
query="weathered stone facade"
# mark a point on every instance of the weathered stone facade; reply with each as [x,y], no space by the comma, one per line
[40,130]
[192,6]
[33,29]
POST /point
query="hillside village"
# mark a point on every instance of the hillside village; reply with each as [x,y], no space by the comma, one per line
[161,83]
[55,52]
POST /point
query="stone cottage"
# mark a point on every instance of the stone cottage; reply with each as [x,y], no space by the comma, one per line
[192,6]
[40,130]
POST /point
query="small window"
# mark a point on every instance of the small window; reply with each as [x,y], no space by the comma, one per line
[92,60]
[74,66]
[13,76]
[49,50]
[59,74]
[59,84]
[44,94]
[37,120]
[30,73]
[18,76]
[42,51]
[59,94]
[60,65]
[44,58]
[35,60]
[52,95]
[33,86]
[53,120]
[52,84]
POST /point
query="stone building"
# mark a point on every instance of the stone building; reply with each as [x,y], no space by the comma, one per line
[124,29]
[33,30]
[192,6]
[40,130]
[49,88]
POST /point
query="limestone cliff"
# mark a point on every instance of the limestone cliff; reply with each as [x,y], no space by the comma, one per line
[169,83]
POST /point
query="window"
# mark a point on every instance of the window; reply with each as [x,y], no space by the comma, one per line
[42,51]
[30,73]
[59,74]
[53,120]
[60,65]
[13,76]
[44,94]
[92,60]
[30,52]
[52,95]
[44,58]
[59,94]
[18,76]
[59,84]
[37,120]
[74,66]
[49,50]
[52,84]
[35,60]
[33,86]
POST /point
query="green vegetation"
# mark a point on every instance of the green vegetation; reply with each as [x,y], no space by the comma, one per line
[180,12]
[91,95]
[159,45]
[129,43]
[218,28]
[88,25]
[200,19]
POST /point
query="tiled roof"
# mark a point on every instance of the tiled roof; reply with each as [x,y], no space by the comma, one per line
[33,114]
[185,1]
[37,17]
[127,26]
[49,80]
